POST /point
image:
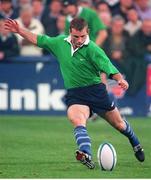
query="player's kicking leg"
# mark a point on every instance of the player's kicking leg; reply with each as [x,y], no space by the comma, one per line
[115,119]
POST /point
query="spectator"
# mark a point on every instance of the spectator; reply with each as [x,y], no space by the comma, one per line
[141,42]
[143,9]
[14,2]
[20,4]
[115,44]
[27,21]
[104,13]
[38,10]
[98,31]
[0,6]
[112,3]
[106,18]
[50,18]
[61,24]
[6,10]
[133,24]
[102,6]
[23,2]
[138,47]
[8,43]
[124,6]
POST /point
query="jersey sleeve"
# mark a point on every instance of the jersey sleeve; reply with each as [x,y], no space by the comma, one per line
[97,24]
[48,43]
[102,63]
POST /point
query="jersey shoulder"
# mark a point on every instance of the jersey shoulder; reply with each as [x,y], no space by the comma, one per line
[93,46]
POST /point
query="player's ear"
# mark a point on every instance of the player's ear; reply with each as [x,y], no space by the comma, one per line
[88,30]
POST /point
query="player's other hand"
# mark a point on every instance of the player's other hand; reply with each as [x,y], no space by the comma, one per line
[123,84]
[11,25]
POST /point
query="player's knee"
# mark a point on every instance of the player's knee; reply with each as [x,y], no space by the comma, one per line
[77,120]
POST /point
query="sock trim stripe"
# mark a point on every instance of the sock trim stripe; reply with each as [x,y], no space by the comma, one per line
[84,144]
[80,130]
[81,135]
[79,138]
[78,133]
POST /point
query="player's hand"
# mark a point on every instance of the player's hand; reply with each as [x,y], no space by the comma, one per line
[11,25]
[123,84]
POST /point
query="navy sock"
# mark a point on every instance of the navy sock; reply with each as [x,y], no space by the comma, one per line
[128,132]
[82,139]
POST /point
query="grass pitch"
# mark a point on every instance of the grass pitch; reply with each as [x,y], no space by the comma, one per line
[43,147]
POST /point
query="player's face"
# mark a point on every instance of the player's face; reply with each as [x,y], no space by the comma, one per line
[78,37]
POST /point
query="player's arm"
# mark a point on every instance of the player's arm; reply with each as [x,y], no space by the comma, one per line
[102,62]
[101,37]
[13,26]
[121,81]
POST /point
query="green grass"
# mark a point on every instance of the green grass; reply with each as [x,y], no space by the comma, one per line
[43,147]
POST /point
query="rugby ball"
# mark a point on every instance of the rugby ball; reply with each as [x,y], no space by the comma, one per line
[106,156]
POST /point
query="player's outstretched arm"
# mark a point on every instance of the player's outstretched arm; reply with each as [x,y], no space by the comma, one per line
[13,26]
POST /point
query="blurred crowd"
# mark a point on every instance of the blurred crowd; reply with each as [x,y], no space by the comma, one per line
[125,35]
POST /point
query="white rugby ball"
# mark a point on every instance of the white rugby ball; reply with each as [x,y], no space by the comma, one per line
[107,157]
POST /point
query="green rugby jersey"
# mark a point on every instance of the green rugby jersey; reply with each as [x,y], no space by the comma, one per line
[91,17]
[81,68]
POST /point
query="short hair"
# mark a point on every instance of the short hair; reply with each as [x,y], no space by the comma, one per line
[78,24]
[118,18]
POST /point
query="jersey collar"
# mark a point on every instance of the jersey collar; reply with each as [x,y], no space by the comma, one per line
[68,39]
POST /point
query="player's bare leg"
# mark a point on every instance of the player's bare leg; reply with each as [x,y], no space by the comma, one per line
[115,119]
[78,115]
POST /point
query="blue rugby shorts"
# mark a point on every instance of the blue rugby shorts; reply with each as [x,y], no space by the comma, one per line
[94,96]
